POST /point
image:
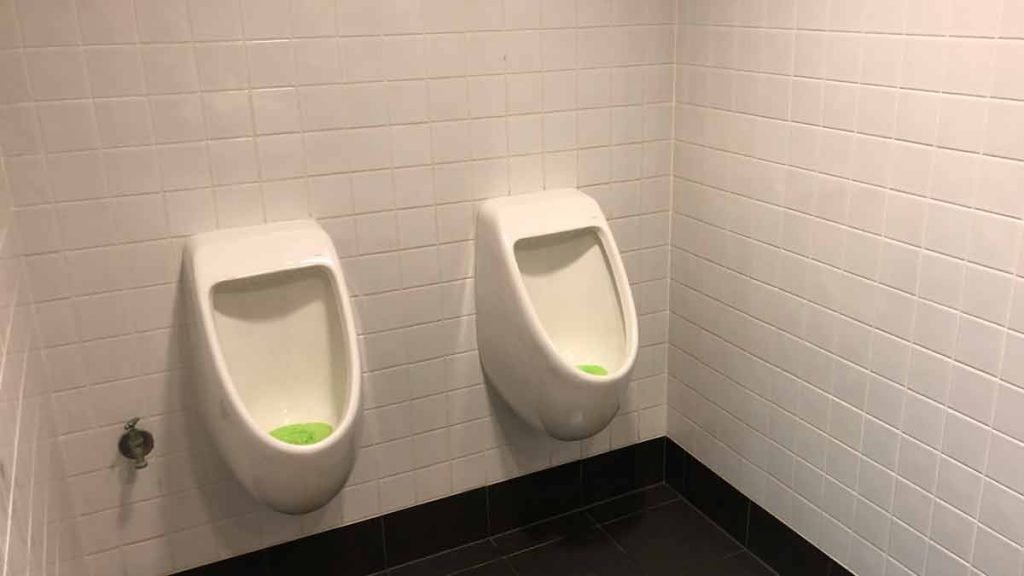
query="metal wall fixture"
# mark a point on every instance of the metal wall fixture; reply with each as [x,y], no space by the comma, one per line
[135,444]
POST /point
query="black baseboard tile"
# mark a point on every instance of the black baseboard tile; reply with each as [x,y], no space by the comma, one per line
[717,499]
[527,499]
[353,550]
[452,561]
[252,564]
[614,473]
[783,549]
[677,461]
[436,526]
[836,569]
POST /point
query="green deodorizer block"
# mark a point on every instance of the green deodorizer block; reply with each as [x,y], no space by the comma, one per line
[593,369]
[302,434]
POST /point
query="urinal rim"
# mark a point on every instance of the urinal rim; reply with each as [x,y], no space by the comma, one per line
[343,306]
[625,300]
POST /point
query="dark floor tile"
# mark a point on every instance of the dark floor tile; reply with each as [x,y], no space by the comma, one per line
[451,561]
[631,503]
[254,564]
[500,567]
[542,532]
[528,499]
[435,527]
[676,463]
[741,564]
[662,539]
[623,470]
[588,553]
[716,498]
[837,570]
[354,550]
[782,548]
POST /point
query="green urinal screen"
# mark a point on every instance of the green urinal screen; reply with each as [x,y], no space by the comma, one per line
[302,434]
[595,369]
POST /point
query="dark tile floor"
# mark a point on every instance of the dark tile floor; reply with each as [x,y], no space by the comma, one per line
[651,532]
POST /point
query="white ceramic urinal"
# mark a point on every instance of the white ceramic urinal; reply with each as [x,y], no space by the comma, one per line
[552,297]
[276,346]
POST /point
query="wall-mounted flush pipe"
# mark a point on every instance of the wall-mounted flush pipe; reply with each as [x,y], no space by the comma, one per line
[135,444]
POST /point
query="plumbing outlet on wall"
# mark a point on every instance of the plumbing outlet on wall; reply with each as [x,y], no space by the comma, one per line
[135,444]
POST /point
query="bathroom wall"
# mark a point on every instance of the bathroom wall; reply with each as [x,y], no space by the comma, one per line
[847,316]
[127,125]
[26,432]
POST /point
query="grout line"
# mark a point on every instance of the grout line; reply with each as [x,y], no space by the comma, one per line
[746,526]
[697,509]
[757,558]
[487,510]
[600,528]
[384,543]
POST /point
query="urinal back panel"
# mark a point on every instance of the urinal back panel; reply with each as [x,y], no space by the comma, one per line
[279,335]
[572,290]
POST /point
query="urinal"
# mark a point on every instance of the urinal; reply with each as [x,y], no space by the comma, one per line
[276,351]
[556,325]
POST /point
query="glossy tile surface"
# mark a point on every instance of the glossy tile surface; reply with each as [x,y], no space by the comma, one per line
[478,554]
[423,530]
[716,498]
[609,475]
[649,532]
[782,548]
[525,500]
[351,551]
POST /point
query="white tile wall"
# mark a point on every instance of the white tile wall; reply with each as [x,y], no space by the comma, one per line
[127,125]
[26,430]
[845,340]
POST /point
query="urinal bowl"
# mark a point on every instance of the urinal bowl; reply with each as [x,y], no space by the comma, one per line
[551,295]
[275,344]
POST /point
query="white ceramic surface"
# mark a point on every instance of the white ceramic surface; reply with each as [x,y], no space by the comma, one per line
[276,345]
[552,294]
